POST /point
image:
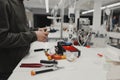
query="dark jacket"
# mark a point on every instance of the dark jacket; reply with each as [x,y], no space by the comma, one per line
[15,36]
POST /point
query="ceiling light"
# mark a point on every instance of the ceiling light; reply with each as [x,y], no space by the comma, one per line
[89,11]
[104,7]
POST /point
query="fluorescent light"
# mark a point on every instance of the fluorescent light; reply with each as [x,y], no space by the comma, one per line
[108,6]
[89,11]
[113,5]
[47,6]
[103,7]
[51,17]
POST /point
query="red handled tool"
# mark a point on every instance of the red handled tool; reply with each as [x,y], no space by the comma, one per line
[31,65]
[34,65]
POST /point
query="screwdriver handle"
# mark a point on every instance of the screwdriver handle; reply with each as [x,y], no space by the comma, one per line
[42,71]
[48,62]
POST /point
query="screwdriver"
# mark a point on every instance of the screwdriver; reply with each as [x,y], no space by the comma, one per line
[42,71]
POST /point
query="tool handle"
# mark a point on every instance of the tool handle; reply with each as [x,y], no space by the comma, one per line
[43,71]
[48,62]
[31,65]
[38,50]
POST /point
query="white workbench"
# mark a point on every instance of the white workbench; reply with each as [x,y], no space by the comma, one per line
[88,67]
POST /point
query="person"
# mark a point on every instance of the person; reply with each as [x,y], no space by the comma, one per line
[15,35]
[114,22]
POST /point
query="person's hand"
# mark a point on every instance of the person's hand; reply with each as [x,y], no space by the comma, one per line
[45,30]
[42,35]
[42,29]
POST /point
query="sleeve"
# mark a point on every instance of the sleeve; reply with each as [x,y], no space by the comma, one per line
[9,39]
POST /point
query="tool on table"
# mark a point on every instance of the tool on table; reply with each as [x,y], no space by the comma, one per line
[31,65]
[53,68]
[46,70]
[49,62]
[40,50]
[34,65]
[43,63]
